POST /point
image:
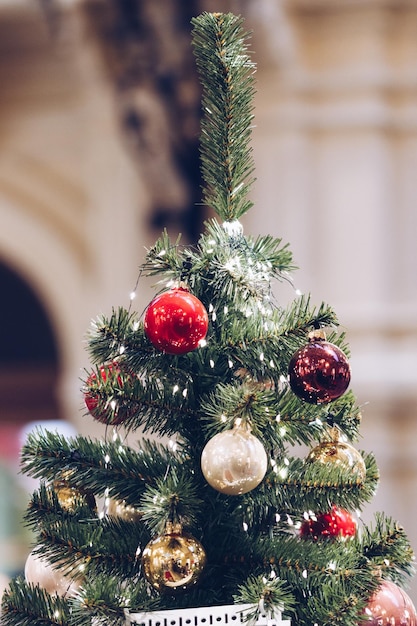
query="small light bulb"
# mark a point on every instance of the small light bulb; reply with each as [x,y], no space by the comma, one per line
[283,472]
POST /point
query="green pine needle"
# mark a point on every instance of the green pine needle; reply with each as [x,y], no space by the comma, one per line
[228,89]
[42,609]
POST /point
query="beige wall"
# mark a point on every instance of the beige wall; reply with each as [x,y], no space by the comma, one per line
[70,200]
[336,154]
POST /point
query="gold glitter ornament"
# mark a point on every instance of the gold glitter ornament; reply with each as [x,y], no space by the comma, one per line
[120,508]
[339,453]
[174,560]
[70,497]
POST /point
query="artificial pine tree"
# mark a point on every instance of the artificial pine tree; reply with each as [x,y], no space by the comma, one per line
[221,509]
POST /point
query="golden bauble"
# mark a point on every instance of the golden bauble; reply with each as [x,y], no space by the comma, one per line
[339,453]
[120,508]
[71,497]
[38,571]
[234,461]
[173,561]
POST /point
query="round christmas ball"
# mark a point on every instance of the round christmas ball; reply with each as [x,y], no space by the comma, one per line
[176,322]
[173,561]
[38,571]
[111,374]
[339,454]
[120,508]
[337,523]
[71,497]
[319,372]
[389,606]
[234,462]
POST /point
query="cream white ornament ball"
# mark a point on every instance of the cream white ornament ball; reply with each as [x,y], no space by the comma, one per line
[234,461]
[38,571]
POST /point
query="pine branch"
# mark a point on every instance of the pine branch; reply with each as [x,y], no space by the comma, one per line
[154,405]
[106,337]
[172,499]
[277,418]
[305,423]
[164,258]
[387,546]
[240,267]
[102,600]
[327,580]
[97,465]
[265,344]
[274,595]
[295,486]
[107,545]
[27,605]
[226,73]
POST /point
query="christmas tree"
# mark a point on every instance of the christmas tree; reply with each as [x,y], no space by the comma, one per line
[215,505]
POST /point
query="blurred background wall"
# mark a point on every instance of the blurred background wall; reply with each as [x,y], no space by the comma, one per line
[99,123]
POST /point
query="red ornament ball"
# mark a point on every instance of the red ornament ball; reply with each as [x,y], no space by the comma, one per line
[319,372]
[113,415]
[338,523]
[176,321]
[390,606]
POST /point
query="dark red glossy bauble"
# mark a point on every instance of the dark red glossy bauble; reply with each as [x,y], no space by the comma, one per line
[176,321]
[112,414]
[319,372]
[336,523]
[389,606]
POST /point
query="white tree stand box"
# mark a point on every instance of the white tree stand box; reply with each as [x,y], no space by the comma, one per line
[229,615]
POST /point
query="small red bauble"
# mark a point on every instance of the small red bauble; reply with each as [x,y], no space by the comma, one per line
[319,372]
[336,523]
[113,416]
[389,606]
[176,321]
